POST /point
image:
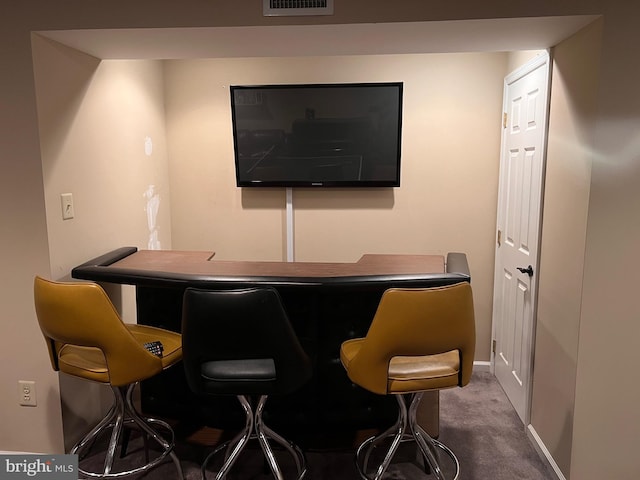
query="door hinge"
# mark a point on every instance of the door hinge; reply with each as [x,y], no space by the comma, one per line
[504,120]
[493,346]
[499,239]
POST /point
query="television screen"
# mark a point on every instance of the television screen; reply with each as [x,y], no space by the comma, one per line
[330,135]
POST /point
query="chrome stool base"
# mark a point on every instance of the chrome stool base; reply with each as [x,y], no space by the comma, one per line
[406,428]
[123,412]
[255,429]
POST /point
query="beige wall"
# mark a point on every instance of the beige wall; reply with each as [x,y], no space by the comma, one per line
[24,252]
[606,425]
[448,194]
[94,118]
[208,212]
[607,396]
[566,200]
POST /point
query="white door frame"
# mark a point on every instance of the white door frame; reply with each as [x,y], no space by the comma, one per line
[523,70]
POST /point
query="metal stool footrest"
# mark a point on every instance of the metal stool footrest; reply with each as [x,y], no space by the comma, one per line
[405,429]
[123,412]
[255,429]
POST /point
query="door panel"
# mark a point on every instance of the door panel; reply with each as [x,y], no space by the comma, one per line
[519,209]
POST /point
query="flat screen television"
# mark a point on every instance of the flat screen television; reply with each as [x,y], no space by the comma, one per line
[320,135]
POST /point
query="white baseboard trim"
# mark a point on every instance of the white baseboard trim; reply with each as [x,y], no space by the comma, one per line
[544,452]
[482,366]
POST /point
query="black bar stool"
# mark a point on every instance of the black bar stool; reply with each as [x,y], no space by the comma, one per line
[240,342]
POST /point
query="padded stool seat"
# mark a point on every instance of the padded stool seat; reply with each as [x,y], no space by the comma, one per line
[417,373]
[91,364]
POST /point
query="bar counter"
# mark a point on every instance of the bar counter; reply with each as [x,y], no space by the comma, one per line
[327,303]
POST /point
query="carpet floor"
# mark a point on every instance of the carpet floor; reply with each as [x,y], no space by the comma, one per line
[477,422]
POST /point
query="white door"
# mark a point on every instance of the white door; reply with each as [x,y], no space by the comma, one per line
[519,210]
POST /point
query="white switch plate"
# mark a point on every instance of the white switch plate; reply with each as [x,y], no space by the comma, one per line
[66,201]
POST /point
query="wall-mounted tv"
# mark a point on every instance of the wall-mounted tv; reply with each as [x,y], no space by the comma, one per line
[319,135]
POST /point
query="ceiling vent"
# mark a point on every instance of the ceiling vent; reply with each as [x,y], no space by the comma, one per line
[279,8]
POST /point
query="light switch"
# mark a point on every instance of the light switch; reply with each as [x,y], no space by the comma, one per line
[66,200]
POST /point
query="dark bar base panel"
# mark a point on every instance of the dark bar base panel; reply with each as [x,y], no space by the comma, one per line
[324,313]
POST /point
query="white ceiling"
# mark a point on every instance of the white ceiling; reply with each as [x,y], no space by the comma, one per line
[492,35]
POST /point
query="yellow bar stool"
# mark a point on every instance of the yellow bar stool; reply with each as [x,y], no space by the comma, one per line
[87,339]
[420,340]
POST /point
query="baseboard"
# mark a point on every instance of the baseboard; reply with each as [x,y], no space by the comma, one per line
[544,452]
[482,366]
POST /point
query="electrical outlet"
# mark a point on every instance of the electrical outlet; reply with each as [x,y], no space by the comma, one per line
[27,393]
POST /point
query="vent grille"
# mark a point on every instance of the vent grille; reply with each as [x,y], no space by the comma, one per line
[277,8]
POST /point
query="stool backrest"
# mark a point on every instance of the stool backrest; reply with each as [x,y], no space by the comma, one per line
[82,314]
[241,324]
[416,322]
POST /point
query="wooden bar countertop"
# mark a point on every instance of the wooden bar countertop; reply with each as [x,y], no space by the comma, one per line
[204,263]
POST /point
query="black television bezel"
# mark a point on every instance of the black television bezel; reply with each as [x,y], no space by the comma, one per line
[314,184]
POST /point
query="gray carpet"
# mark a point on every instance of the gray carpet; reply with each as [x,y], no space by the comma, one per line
[477,422]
